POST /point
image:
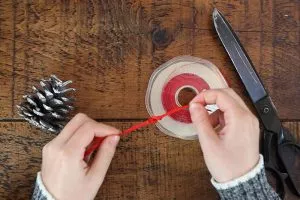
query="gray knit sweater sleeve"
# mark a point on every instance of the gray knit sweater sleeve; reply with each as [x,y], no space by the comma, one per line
[40,192]
[251,186]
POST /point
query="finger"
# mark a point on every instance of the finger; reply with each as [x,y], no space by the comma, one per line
[223,100]
[86,133]
[234,95]
[214,118]
[71,128]
[103,159]
[201,121]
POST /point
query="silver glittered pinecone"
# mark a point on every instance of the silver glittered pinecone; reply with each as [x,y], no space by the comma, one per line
[48,106]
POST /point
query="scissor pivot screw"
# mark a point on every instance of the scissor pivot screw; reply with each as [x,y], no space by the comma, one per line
[266,110]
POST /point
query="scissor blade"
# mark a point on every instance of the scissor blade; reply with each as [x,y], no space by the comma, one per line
[239,57]
[243,65]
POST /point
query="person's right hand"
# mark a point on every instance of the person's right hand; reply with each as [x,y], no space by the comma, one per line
[233,150]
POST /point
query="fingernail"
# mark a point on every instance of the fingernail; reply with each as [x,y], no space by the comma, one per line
[115,139]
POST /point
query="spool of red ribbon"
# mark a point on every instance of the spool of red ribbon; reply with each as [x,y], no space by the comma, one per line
[165,85]
[170,93]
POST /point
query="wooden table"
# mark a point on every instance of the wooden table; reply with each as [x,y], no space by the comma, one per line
[109,49]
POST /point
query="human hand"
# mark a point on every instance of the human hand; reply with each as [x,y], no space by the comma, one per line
[233,149]
[64,172]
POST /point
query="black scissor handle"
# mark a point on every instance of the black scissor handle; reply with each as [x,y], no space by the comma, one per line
[280,178]
[270,150]
[272,163]
[282,156]
[289,153]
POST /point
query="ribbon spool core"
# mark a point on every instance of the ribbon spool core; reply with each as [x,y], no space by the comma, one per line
[185,94]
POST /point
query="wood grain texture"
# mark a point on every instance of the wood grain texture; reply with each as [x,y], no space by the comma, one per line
[147,165]
[7,57]
[294,128]
[110,48]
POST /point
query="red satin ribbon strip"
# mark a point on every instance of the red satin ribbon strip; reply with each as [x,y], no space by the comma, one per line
[152,120]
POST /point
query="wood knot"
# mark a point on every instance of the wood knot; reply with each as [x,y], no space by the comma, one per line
[161,38]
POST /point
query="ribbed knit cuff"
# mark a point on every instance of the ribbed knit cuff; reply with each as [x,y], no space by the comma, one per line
[40,192]
[253,185]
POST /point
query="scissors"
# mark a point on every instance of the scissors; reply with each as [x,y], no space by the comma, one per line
[279,148]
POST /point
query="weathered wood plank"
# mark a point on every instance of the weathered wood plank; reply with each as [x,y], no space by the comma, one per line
[254,15]
[147,165]
[7,56]
[119,92]
[286,56]
[110,55]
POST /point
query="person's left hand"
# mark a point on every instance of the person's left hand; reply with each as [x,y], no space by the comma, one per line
[64,172]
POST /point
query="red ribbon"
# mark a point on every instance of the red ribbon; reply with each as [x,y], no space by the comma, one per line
[173,86]
[152,120]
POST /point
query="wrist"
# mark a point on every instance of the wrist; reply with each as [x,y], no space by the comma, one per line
[243,178]
[253,185]
[232,169]
[40,191]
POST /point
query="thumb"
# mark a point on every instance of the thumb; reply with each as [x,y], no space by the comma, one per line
[201,121]
[103,159]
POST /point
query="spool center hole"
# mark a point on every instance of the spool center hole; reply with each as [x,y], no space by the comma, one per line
[185,95]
